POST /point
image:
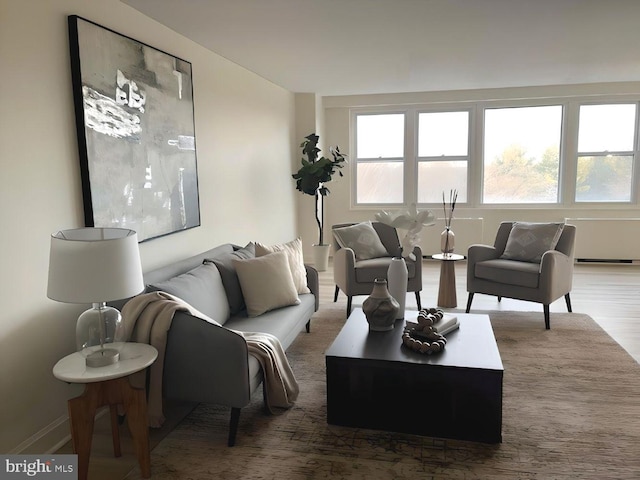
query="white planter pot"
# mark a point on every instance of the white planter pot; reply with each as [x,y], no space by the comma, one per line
[321,257]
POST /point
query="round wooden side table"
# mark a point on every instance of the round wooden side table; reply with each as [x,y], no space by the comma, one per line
[110,386]
[447,289]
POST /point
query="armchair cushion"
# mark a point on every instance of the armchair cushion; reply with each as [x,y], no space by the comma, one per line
[362,239]
[527,242]
[368,270]
[509,272]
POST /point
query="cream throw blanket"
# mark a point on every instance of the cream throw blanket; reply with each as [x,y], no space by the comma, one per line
[147,319]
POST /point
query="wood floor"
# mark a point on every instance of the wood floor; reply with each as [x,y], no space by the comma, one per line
[610,294]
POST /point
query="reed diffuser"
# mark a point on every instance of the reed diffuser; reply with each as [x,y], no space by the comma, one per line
[447,238]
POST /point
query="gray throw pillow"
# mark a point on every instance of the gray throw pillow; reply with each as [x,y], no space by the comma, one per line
[363,239]
[227,270]
[527,242]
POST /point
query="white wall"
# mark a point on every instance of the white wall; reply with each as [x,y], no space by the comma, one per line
[337,112]
[246,143]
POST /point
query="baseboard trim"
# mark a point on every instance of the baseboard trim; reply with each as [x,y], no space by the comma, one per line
[50,438]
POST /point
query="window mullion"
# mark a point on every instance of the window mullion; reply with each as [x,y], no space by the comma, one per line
[569,154]
[410,156]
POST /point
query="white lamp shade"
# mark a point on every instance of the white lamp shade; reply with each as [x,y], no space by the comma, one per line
[92,265]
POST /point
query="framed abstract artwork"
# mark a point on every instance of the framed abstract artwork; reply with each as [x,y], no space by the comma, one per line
[136,133]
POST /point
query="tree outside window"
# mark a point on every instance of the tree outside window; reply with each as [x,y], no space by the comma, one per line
[606,139]
[522,154]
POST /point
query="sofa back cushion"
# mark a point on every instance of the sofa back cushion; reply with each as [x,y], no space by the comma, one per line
[202,288]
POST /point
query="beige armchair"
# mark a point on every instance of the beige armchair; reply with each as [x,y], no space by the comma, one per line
[355,276]
[542,282]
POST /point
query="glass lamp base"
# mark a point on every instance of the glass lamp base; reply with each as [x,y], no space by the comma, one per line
[102,358]
[99,332]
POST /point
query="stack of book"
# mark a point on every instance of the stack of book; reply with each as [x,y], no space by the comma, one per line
[447,324]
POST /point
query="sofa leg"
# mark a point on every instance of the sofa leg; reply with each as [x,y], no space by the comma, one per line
[469,300]
[349,298]
[308,326]
[568,300]
[499,298]
[418,301]
[335,295]
[547,323]
[233,425]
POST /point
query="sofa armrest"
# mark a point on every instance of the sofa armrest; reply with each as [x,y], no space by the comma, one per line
[313,283]
[480,253]
[205,363]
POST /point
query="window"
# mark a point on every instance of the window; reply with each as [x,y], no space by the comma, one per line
[606,140]
[443,154]
[522,154]
[498,153]
[380,158]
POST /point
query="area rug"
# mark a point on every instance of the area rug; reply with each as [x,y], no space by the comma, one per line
[571,410]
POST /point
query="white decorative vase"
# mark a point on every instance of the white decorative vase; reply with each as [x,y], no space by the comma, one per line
[321,257]
[397,279]
[447,240]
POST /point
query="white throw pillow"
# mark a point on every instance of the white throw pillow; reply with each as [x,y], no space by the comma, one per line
[363,239]
[293,249]
[527,242]
[266,283]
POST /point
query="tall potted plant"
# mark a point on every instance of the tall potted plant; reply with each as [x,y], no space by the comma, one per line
[311,178]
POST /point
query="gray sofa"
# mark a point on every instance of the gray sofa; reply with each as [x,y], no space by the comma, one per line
[209,363]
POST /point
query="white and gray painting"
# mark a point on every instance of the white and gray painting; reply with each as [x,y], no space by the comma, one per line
[140,135]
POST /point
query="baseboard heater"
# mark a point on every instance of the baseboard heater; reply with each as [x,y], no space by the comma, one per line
[607,240]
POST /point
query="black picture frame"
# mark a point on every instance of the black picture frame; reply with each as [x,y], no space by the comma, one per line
[136,132]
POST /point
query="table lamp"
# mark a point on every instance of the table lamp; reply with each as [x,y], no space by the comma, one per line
[96,265]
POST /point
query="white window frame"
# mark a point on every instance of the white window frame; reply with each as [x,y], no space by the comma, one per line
[634,153]
[411,159]
[563,129]
[445,158]
[356,160]
[568,150]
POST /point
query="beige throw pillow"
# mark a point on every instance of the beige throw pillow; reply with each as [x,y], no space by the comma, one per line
[293,249]
[363,239]
[527,242]
[266,283]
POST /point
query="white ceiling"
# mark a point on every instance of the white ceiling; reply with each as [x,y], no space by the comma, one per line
[344,47]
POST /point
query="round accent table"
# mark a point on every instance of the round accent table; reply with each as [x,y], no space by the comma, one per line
[108,385]
[447,289]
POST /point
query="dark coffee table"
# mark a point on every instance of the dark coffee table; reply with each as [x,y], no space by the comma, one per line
[373,381]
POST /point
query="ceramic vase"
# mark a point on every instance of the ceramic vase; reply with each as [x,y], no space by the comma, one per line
[397,279]
[380,308]
[447,240]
